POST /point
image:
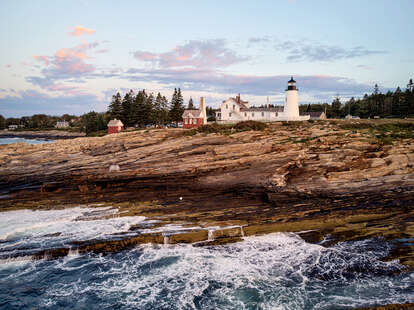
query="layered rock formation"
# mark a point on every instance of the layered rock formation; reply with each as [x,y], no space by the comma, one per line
[319,176]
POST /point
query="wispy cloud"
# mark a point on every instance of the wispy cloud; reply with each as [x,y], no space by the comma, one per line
[299,51]
[79,31]
[43,59]
[66,63]
[194,53]
[222,82]
[312,51]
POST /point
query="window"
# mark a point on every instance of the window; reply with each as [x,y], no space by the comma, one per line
[234,107]
[262,113]
[245,114]
[185,121]
[276,114]
[227,106]
[252,114]
[230,114]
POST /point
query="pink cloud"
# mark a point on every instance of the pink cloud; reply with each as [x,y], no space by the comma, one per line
[195,53]
[43,59]
[79,30]
[65,64]
[145,56]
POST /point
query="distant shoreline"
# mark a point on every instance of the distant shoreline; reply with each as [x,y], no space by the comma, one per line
[47,134]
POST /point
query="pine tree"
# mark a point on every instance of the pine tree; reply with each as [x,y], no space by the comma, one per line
[336,108]
[177,107]
[190,104]
[396,102]
[160,111]
[2,122]
[141,111]
[90,122]
[115,110]
[126,108]
[410,85]
[149,109]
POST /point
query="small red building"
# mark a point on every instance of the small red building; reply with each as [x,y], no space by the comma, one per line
[115,126]
[195,118]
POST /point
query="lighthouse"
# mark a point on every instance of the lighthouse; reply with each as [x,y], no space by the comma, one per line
[291,108]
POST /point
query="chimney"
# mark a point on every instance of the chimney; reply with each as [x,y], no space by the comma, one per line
[203,109]
[238,98]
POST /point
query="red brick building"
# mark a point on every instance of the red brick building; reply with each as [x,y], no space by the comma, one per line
[115,126]
[195,118]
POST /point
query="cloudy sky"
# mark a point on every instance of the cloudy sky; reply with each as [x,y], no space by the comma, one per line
[72,56]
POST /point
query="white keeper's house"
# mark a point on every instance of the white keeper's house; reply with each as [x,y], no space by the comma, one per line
[235,110]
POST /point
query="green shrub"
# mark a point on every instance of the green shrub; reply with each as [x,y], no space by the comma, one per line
[250,125]
[227,129]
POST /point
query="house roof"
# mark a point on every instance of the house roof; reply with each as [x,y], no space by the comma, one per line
[242,103]
[115,123]
[192,114]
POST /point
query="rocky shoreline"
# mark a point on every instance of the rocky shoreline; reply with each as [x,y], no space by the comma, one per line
[321,179]
[46,134]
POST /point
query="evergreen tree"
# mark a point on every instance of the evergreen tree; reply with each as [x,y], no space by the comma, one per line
[410,85]
[396,102]
[160,110]
[126,109]
[102,121]
[336,108]
[90,122]
[177,107]
[115,109]
[2,122]
[190,104]
[141,114]
[149,109]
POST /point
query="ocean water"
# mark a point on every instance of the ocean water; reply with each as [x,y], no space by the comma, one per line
[28,141]
[275,271]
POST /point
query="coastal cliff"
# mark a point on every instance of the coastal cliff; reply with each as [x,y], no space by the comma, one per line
[344,180]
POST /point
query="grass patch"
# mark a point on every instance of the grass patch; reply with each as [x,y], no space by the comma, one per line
[227,129]
[384,132]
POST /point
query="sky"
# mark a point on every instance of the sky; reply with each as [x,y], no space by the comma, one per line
[71,56]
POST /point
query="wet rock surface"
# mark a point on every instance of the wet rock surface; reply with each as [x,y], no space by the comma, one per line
[331,184]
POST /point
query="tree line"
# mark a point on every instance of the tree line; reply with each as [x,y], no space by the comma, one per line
[392,104]
[134,110]
[143,109]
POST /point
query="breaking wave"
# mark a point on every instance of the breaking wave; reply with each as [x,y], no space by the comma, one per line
[276,271]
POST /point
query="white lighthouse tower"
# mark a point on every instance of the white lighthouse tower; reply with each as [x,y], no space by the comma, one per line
[291,108]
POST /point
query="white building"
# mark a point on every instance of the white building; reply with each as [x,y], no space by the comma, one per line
[235,110]
[62,124]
